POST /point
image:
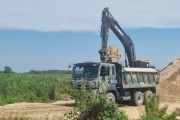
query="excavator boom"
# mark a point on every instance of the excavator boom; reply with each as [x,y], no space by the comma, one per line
[108,22]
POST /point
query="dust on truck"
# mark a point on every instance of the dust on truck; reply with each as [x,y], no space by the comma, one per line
[135,81]
[118,83]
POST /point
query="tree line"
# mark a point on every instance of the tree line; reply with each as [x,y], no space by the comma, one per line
[8,70]
[50,72]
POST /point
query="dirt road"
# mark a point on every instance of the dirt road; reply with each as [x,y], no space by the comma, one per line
[38,111]
[56,110]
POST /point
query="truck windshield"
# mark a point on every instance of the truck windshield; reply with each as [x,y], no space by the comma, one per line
[85,71]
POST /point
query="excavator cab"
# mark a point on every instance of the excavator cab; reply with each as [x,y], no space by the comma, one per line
[141,63]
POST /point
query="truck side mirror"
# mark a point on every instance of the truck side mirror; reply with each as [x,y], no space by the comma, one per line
[70,65]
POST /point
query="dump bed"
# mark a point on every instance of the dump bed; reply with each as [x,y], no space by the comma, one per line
[139,77]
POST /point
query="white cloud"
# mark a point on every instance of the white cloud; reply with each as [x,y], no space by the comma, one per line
[61,15]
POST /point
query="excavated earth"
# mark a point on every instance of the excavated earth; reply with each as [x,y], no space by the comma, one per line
[168,91]
[169,86]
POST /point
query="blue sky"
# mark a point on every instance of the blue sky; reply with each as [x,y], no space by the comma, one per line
[45,34]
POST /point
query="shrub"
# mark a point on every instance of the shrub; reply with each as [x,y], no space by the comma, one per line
[91,108]
[81,96]
[153,112]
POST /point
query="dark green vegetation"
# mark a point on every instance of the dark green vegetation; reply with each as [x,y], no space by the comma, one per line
[49,72]
[7,69]
[91,108]
[33,87]
[97,109]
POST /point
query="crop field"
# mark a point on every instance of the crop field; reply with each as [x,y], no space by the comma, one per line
[33,87]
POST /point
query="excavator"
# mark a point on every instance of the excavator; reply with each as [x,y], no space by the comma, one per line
[108,22]
[135,81]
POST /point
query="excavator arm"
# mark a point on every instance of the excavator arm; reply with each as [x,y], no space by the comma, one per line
[108,22]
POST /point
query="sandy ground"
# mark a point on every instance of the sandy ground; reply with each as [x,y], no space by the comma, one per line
[37,111]
[56,110]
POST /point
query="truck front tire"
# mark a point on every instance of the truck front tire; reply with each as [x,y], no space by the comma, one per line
[138,98]
[110,96]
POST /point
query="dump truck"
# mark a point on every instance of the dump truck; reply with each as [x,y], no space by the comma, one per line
[135,81]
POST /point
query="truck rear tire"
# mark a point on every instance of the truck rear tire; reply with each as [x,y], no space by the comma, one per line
[147,96]
[138,98]
[110,96]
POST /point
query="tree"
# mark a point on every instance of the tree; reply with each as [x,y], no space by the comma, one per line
[7,69]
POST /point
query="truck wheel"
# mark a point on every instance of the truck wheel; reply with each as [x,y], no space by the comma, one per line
[138,98]
[110,96]
[147,95]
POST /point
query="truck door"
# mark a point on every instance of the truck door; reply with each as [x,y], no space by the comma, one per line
[107,78]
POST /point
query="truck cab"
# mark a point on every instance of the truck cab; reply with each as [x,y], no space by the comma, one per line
[117,82]
[95,76]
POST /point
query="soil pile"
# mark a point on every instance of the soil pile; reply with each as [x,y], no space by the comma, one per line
[169,86]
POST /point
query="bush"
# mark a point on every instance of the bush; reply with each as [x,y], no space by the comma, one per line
[91,108]
[80,96]
[153,112]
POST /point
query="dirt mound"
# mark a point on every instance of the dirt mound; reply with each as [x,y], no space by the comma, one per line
[169,86]
[113,54]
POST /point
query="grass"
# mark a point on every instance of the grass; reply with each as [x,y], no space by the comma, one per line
[32,87]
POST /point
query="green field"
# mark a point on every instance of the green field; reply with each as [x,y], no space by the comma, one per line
[33,87]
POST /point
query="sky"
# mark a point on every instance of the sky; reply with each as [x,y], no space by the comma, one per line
[44,34]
